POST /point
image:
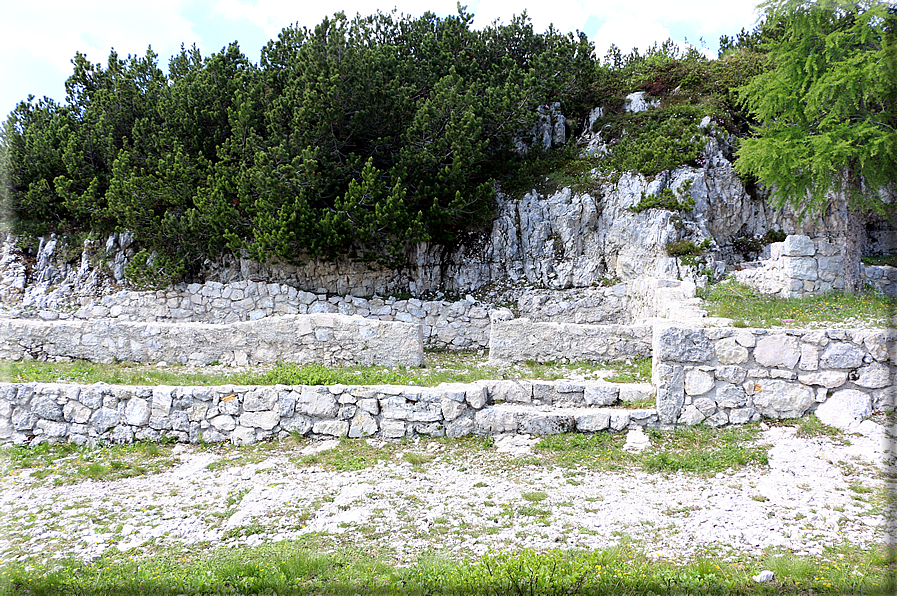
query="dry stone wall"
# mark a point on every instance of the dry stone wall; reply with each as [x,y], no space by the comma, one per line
[723,376]
[518,340]
[801,266]
[327,339]
[452,325]
[31,413]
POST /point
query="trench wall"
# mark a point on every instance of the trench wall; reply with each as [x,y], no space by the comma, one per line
[31,413]
[514,341]
[334,340]
[730,376]
[801,266]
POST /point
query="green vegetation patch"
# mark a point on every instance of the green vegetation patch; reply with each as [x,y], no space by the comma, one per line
[304,567]
[638,371]
[441,367]
[699,450]
[67,463]
[749,308]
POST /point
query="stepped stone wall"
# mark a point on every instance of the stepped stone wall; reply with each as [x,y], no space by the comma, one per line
[801,266]
[518,340]
[37,412]
[723,376]
[322,338]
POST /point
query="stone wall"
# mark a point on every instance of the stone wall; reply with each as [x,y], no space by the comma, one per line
[462,324]
[518,340]
[327,339]
[452,325]
[731,376]
[800,267]
[31,413]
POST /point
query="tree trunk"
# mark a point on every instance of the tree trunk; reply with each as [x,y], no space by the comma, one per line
[853,249]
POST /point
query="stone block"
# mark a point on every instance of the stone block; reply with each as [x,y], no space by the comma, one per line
[75,412]
[460,427]
[670,392]
[690,416]
[363,425]
[775,398]
[44,406]
[798,246]
[809,357]
[104,419]
[547,424]
[392,429]
[874,376]
[592,422]
[730,396]
[698,382]
[777,351]
[260,400]
[317,402]
[682,344]
[729,351]
[844,408]
[801,268]
[224,423]
[604,394]
[731,374]
[491,421]
[333,428]
[264,420]
[137,412]
[451,408]
[841,355]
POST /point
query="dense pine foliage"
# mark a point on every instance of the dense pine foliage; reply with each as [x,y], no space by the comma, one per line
[359,138]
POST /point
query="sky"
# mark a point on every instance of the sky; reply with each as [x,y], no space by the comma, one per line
[39,39]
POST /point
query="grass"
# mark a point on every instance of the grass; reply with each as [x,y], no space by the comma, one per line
[885,260]
[750,308]
[441,367]
[637,371]
[67,463]
[303,567]
[699,450]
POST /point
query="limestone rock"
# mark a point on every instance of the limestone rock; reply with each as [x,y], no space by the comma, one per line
[775,398]
[874,376]
[681,344]
[137,412]
[698,382]
[729,351]
[827,378]
[841,355]
[777,351]
[844,408]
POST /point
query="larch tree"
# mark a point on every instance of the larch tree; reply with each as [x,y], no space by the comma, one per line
[827,112]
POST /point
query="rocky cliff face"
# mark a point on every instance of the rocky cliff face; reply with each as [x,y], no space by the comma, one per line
[558,239]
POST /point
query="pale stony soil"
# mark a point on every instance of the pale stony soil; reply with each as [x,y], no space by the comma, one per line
[816,492]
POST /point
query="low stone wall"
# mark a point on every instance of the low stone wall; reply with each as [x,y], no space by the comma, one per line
[800,267]
[462,324]
[323,338]
[31,413]
[518,340]
[723,376]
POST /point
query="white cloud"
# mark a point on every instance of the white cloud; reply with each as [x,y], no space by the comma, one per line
[273,15]
[60,29]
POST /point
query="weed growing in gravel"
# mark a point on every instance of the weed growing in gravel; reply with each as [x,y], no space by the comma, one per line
[349,455]
[67,463]
[811,426]
[700,449]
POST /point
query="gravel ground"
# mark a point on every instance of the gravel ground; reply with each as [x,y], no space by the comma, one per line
[816,492]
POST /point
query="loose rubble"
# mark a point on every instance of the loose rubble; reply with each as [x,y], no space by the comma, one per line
[459,501]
